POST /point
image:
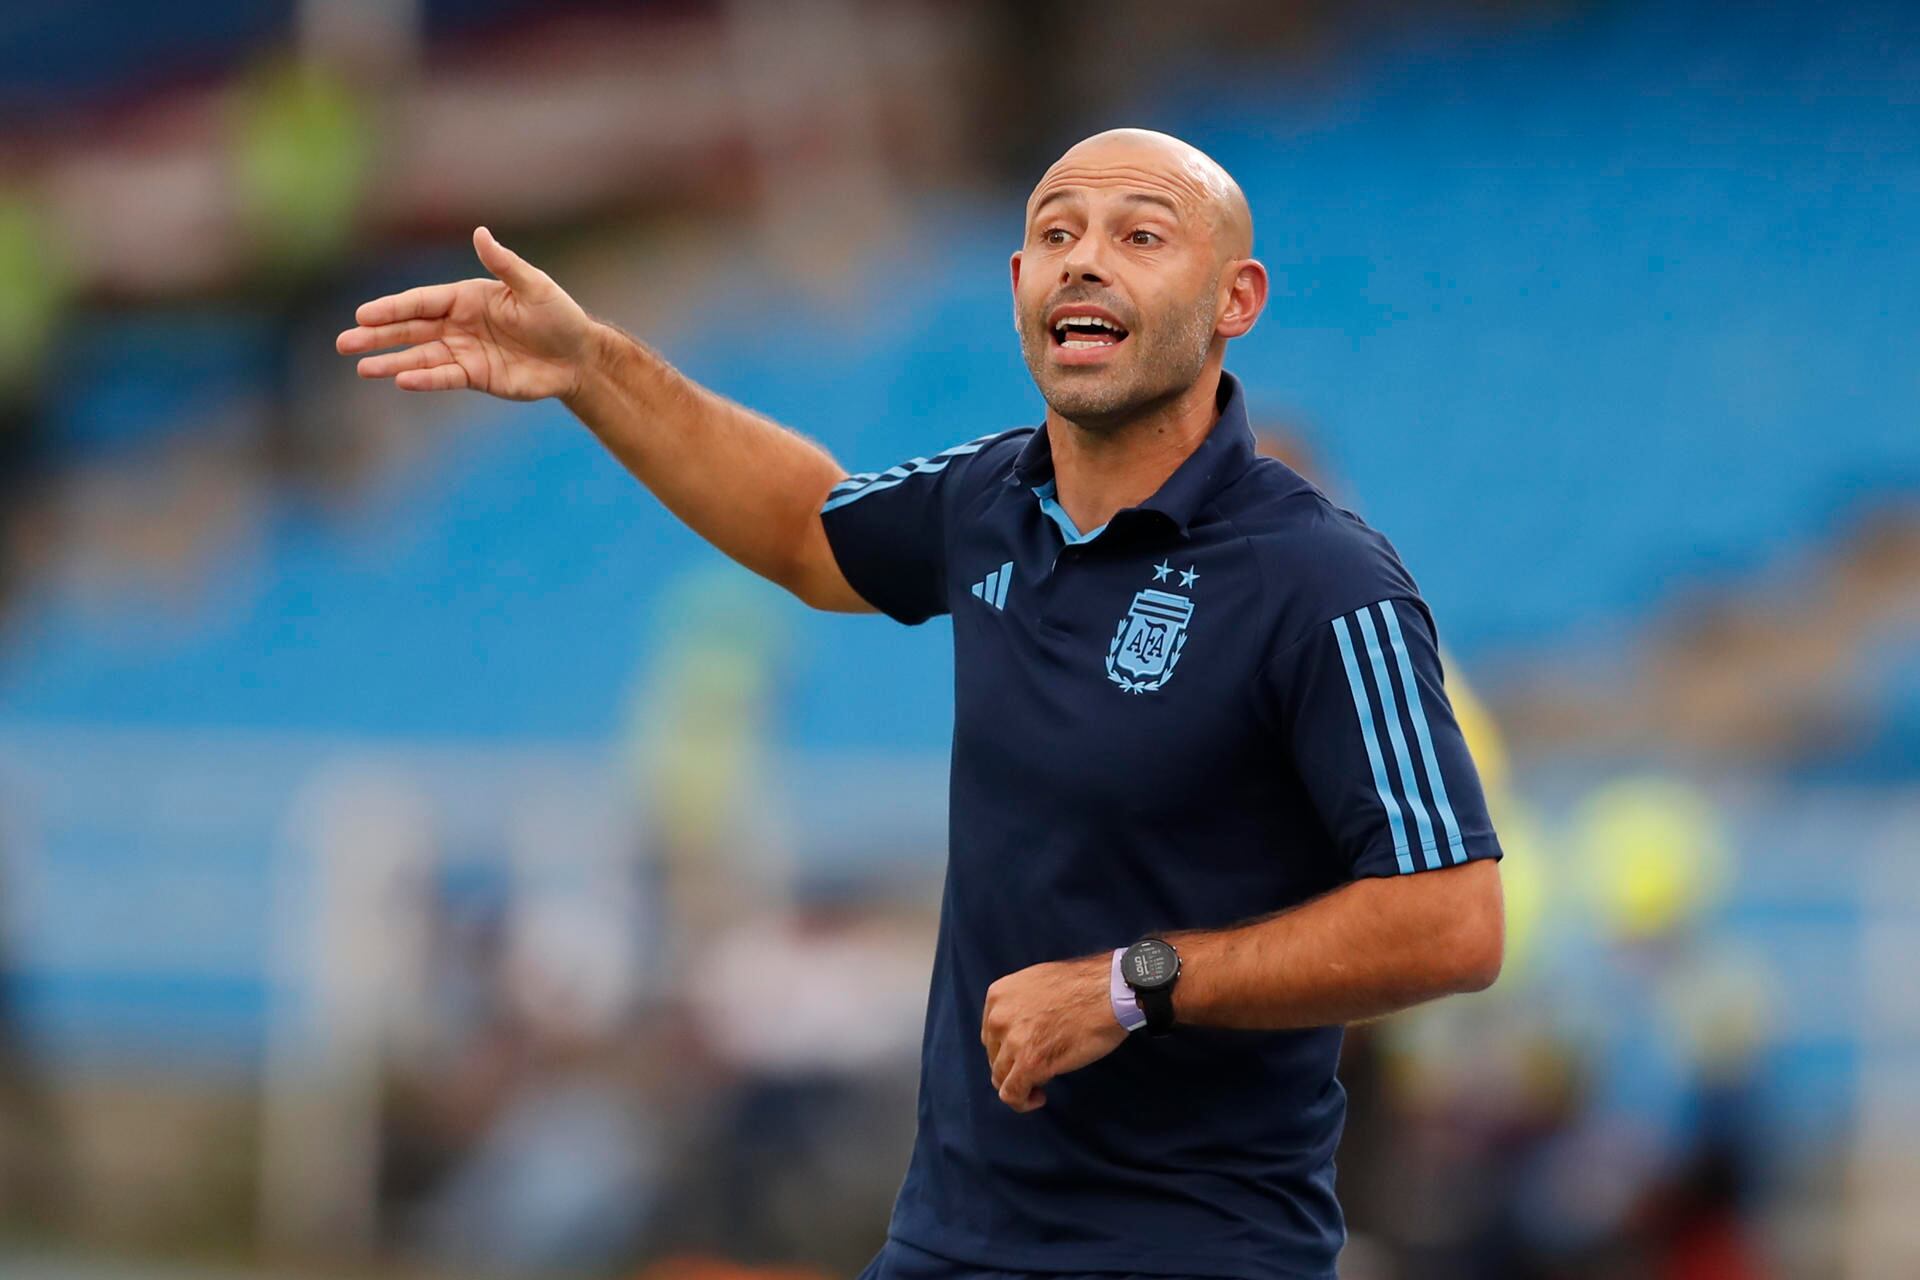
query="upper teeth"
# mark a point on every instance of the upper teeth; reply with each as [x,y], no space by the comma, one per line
[1093,320]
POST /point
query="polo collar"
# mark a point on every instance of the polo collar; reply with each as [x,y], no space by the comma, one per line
[1221,457]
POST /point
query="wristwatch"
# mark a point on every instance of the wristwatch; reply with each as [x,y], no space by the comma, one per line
[1151,966]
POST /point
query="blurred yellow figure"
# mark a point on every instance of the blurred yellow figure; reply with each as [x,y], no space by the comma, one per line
[302,155]
[36,282]
[1652,855]
[698,739]
[1483,735]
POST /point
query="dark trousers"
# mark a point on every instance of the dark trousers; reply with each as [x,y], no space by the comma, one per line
[898,1261]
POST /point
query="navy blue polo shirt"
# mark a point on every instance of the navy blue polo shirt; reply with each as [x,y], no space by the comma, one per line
[1224,701]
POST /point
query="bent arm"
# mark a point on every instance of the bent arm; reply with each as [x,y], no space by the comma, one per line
[1369,948]
[744,483]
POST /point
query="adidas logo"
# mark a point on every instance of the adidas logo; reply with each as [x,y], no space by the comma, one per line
[993,587]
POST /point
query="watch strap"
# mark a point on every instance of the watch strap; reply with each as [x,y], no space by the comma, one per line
[1126,1004]
[1157,1004]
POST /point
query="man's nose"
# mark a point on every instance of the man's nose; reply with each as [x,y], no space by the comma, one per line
[1086,262]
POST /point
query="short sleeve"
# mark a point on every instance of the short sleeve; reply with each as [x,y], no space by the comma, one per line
[1364,709]
[888,531]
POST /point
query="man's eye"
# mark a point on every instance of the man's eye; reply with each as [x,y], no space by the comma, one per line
[1143,237]
[1054,235]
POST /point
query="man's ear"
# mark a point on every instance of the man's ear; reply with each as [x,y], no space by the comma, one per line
[1245,283]
[1014,266]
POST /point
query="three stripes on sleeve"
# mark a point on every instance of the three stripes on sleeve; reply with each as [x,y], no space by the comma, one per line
[1367,636]
[858,486]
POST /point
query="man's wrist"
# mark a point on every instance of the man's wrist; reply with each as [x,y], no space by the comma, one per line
[596,354]
[1126,1006]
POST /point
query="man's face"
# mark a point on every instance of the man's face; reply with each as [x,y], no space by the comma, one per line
[1116,289]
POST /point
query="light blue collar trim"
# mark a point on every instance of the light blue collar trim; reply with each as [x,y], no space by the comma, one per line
[1058,514]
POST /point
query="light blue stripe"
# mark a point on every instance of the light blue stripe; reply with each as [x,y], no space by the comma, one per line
[1006,576]
[875,487]
[875,481]
[1401,756]
[926,468]
[1363,709]
[1050,505]
[1412,687]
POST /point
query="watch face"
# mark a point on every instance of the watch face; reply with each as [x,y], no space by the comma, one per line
[1150,964]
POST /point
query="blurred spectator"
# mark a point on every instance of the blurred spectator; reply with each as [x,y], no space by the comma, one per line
[811,1017]
[302,160]
[699,732]
[35,289]
[34,1169]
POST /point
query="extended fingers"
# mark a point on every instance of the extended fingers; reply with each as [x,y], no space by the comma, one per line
[428,302]
[426,356]
[443,377]
[405,333]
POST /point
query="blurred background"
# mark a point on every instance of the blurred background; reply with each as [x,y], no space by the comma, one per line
[402,817]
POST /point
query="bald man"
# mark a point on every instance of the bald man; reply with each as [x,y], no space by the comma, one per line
[1209,801]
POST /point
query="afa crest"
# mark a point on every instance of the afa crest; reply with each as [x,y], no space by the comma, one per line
[1147,643]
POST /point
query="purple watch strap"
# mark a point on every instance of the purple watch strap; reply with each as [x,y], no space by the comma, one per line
[1126,1006]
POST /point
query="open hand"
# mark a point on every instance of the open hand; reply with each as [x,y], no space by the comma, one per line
[1046,1020]
[517,336]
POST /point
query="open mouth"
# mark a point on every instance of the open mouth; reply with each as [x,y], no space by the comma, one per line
[1085,333]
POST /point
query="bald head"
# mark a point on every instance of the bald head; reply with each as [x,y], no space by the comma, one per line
[1135,270]
[1159,162]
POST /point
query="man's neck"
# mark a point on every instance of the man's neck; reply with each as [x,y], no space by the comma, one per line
[1097,473]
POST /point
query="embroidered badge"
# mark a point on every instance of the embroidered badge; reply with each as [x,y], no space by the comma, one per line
[1147,644]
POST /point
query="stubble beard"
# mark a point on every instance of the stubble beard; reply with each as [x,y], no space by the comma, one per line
[1169,359]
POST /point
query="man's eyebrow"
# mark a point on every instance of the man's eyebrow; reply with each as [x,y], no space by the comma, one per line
[1148,197]
[1130,197]
[1059,193]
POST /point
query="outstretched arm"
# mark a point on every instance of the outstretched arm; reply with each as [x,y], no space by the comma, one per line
[746,484]
[1370,947]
